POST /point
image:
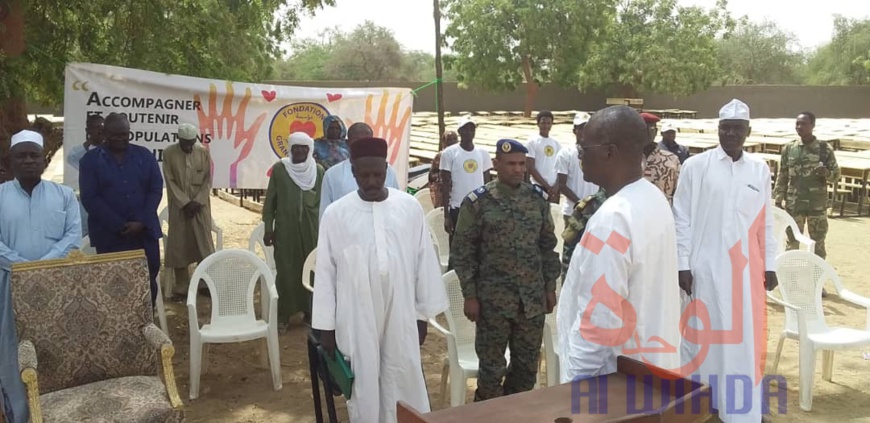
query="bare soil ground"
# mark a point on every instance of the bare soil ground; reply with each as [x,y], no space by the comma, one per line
[238,388]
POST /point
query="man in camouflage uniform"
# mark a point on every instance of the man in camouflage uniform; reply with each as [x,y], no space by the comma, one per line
[576,224]
[806,168]
[503,254]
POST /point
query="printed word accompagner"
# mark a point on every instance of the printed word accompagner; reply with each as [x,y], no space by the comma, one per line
[141,102]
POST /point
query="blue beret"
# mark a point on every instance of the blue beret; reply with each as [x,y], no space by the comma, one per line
[508,146]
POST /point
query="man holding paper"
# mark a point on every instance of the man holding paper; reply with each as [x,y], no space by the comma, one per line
[377,283]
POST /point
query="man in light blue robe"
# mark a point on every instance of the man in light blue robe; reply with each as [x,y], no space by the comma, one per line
[39,220]
[338,180]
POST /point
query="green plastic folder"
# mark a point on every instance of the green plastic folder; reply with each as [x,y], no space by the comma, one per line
[339,370]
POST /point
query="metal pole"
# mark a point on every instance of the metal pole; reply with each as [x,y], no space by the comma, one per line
[439,91]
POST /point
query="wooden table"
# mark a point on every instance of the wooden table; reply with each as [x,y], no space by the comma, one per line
[857,168]
[557,404]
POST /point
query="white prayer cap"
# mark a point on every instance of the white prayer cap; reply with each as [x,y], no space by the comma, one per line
[734,110]
[465,120]
[669,127]
[581,118]
[26,136]
[187,131]
[300,138]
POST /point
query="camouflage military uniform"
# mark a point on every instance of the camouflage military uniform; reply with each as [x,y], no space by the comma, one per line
[805,193]
[503,254]
[576,224]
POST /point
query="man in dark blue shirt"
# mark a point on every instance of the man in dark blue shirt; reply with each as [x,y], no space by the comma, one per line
[121,187]
[669,142]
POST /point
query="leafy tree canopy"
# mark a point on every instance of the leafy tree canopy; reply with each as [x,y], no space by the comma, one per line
[760,53]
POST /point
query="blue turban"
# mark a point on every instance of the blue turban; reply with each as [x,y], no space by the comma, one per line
[328,121]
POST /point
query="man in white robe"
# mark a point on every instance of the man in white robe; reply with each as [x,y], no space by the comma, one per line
[726,249]
[620,295]
[39,220]
[377,283]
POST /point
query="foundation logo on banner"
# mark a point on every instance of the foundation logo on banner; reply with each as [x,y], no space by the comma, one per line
[297,117]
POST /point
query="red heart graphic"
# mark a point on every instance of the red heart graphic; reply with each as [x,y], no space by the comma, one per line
[333,97]
[269,172]
[307,127]
[269,95]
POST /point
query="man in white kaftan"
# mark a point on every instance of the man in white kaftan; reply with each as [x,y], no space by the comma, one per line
[722,209]
[377,278]
[620,296]
[39,220]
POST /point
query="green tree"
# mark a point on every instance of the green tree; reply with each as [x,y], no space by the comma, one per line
[367,53]
[657,46]
[226,39]
[846,59]
[499,44]
[759,53]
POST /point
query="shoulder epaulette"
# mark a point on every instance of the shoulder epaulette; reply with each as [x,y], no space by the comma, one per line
[476,194]
[540,192]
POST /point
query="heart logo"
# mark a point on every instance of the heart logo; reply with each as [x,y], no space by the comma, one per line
[307,127]
[269,172]
[333,97]
[269,95]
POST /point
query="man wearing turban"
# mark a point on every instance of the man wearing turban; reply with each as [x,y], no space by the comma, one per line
[290,214]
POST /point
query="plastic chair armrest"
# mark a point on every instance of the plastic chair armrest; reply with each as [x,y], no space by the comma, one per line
[439,328]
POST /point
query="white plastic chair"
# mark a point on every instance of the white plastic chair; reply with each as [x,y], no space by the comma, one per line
[461,362]
[781,221]
[256,246]
[163,218]
[425,199]
[161,308]
[435,220]
[801,277]
[559,222]
[231,276]
[308,270]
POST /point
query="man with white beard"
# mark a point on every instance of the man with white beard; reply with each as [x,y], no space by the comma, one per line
[726,248]
[377,283]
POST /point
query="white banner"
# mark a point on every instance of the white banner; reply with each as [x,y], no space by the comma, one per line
[244,126]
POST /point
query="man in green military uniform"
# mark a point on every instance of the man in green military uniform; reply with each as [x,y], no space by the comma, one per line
[806,168]
[576,225]
[503,253]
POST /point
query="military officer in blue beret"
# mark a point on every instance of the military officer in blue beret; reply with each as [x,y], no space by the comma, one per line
[503,253]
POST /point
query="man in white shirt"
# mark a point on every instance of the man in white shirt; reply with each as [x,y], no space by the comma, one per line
[726,248]
[377,284]
[541,160]
[620,295]
[39,220]
[464,168]
[570,180]
[338,180]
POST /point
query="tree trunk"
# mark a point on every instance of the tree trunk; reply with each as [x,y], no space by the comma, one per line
[13,111]
[531,87]
[439,74]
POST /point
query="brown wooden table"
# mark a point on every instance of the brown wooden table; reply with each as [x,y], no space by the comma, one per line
[655,400]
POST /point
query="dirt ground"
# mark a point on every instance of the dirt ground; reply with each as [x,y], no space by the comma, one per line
[238,388]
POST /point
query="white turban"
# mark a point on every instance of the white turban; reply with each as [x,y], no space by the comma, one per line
[734,110]
[187,131]
[26,136]
[303,174]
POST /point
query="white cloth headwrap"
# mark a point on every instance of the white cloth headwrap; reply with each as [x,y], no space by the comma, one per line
[303,174]
[734,110]
[26,136]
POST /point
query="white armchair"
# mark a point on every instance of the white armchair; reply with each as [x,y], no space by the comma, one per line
[435,220]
